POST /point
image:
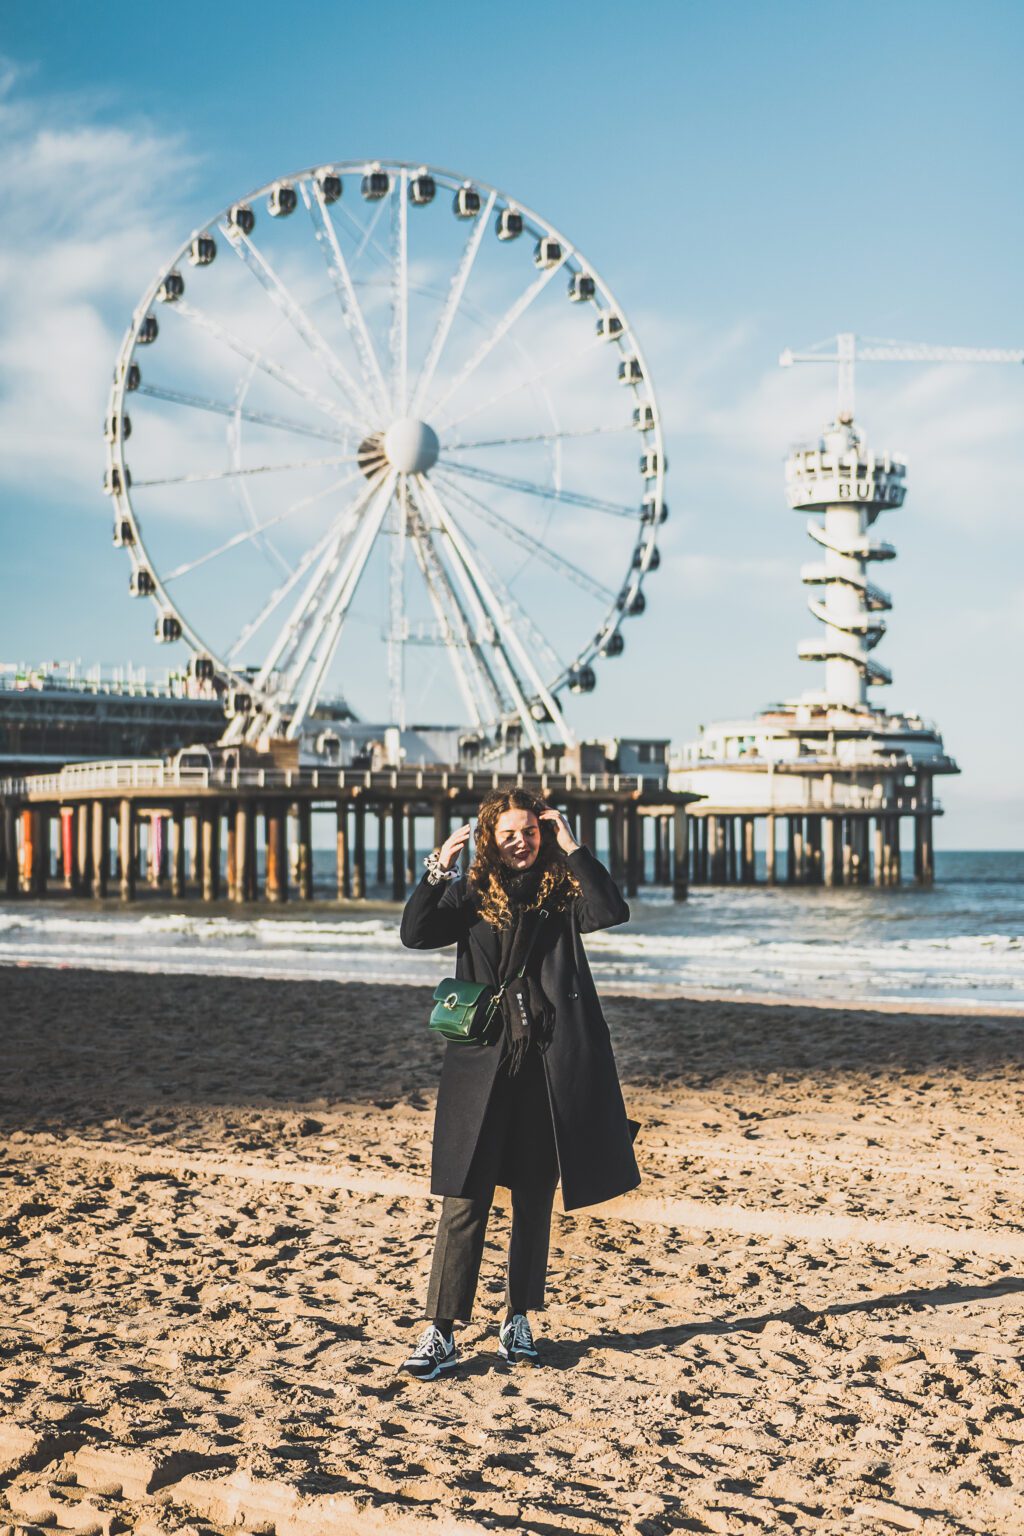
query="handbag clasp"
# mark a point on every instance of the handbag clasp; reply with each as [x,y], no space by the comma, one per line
[451,1001]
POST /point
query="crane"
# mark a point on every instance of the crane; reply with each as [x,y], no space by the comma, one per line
[875,349]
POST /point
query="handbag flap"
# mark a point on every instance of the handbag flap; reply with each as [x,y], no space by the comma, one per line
[463,992]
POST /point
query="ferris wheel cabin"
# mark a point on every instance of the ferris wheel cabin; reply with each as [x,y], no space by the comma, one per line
[202,250]
[547,253]
[376,184]
[330,186]
[581,287]
[422,189]
[466,202]
[283,200]
[241,219]
[509,224]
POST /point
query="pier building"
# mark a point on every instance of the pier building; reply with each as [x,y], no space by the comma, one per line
[840,773]
[61,713]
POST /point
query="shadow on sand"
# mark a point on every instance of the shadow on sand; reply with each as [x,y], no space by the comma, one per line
[84,1046]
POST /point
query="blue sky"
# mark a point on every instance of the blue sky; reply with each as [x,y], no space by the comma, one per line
[747,177]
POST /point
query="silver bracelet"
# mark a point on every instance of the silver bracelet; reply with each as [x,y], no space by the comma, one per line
[436,871]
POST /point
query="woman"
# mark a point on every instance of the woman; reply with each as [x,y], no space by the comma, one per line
[543,1101]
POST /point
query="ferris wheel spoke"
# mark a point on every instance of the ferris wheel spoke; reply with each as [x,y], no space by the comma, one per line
[533,488]
[445,424]
[278,596]
[536,437]
[477,685]
[451,305]
[251,533]
[513,611]
[254,469]
[396,596]
[225,408]
[267,365]
[517,614]
[511,645]
[555,664]
[240,486]
[484,624]
[334,535]
[492,701]
[399,333]
[366,235]
[517,536]
[504,325]
[291,636]
[284,300]
[351,309]
[315,654]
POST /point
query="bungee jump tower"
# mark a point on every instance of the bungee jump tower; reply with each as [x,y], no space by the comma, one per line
[839,771]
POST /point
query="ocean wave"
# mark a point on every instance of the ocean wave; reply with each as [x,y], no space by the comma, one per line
[817,958]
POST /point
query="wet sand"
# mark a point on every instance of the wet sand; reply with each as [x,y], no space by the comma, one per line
[217,1232]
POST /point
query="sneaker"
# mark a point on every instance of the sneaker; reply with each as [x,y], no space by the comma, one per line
[432,1355]
[515,1341]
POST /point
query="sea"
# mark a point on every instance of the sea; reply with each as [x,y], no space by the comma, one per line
[961,942]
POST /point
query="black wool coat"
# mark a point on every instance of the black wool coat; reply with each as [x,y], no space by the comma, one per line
[593,1137]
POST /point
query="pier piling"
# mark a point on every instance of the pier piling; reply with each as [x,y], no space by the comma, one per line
[359,851]
[177,836]
[305,850]
[769,849]
[242,854]
[680,853]
[382,844]
[99,852]
[410,848]
[208,824]
[747,864]
[125,848]
[343,871]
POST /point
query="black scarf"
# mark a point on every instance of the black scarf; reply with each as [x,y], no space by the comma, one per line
[526,1012]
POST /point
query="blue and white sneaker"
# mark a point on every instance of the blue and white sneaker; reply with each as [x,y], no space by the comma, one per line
[515,1340]
[432,1355]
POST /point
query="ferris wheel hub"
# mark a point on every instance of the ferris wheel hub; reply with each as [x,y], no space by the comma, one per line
[411,446]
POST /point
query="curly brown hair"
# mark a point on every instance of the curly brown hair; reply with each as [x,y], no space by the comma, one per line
[488,875]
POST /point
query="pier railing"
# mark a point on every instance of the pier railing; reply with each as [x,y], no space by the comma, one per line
[133,774]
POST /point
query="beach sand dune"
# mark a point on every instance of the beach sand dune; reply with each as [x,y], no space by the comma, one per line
[217,1230]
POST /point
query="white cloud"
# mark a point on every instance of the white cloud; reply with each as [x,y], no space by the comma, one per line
[958,425]
[90,211]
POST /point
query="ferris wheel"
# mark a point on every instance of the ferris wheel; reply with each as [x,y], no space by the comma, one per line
[364,444]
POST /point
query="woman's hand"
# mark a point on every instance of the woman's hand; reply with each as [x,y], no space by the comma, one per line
[563,832]
[452,847]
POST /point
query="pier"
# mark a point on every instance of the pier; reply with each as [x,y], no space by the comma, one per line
[242,834]
[843,843]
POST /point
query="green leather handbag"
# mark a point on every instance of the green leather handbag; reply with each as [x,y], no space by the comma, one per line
[465,1010]
[471,1010]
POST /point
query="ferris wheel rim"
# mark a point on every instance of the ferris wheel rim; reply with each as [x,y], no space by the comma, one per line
[626,342]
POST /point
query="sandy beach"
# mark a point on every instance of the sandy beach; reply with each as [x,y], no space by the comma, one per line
[809,1317]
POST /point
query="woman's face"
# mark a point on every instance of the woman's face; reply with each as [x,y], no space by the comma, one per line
[517,834]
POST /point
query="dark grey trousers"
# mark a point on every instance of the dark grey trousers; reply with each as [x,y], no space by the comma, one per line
[459,1249]
[517,1134]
